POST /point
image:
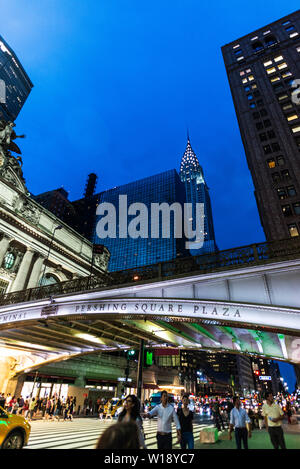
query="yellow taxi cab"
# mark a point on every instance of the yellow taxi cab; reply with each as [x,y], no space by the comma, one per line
[117,403]
[14,430]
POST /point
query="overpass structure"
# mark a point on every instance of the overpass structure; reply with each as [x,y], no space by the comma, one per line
[244,300]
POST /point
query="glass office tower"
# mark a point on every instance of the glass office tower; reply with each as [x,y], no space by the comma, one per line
[14,80]
[129,253]
[191,174]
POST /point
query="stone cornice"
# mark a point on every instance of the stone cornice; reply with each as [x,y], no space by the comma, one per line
[42,239]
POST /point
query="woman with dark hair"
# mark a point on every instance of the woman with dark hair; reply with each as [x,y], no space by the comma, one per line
[131,413]
[120,436]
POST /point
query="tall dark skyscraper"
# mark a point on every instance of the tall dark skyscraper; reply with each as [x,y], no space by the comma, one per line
[261,68]
[127,253]
[191,174]
[14,80]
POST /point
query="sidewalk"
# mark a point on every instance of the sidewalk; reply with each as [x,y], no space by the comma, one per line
[260,439]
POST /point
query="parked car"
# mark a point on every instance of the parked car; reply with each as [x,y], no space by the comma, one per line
[14,430]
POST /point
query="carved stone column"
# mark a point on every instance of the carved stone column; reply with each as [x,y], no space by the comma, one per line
[4,243]
[23,271]
[36,271]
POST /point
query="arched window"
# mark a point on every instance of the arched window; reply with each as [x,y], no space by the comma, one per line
[48,279]
[9,260]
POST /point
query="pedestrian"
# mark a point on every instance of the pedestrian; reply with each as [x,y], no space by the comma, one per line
[240,422]
[101,411]
[109,411]
[185,416]
[120,436]
[273,415]
[217,416]
[165,413]
[32,408]
[131,413]
[2,400]
[289,411]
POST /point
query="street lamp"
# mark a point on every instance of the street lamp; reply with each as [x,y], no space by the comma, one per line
[59,227]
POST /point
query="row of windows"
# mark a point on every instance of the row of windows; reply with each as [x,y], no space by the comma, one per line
[283,176]
[289,211]
[285,192]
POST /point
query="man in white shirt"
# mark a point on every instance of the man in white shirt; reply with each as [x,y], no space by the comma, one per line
[240,422]
[165,413]
[273,415]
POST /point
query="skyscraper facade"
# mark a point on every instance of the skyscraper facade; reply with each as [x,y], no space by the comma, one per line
[128,252]
[14,81]
[191,174]
[261,69]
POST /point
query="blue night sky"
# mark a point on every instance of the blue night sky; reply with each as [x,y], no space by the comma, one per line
[118,82]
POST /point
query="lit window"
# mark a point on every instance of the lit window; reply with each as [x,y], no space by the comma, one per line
[250,77]
[281,193]
[266,64]
[292,117]
[244,80]
[266,32]
[293,230]
[271,163]
[286,74]
[240,58]
[287,211]
[271,70]
[236,46]
[242,73]
[290,28]
[296,129]
[282,96]
[274,79]
[294,35]
[253,38]
[278,58]
[250,97]
[254,86]
[9,260]
[298,49]
[286,23]
[281,66]
[286,107]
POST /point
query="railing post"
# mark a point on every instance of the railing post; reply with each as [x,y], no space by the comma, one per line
[255,253]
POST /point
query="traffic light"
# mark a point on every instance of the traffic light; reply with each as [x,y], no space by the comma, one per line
[148,358]
[131,354]
[256,372]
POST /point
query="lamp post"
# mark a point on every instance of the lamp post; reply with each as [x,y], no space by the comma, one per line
[59,227]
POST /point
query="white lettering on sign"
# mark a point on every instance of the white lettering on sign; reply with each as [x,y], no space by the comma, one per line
[12,317]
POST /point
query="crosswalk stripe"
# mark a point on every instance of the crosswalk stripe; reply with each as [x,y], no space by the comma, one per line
[84,433]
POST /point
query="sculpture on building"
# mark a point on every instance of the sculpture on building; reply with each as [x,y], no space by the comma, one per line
[7,145]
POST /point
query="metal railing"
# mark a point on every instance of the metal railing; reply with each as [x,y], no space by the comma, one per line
[244,256]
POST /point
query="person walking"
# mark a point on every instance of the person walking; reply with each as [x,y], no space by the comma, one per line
[289,411]
[131,413]
[240,422]
[186,416]
[165,413]
[273,415]
[218,416]
[2,400]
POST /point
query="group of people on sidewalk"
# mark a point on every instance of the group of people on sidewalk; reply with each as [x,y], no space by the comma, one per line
[54,408]
[128,432]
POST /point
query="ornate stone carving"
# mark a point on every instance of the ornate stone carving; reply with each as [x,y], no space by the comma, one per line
[28,210]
